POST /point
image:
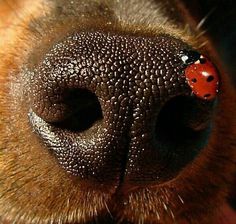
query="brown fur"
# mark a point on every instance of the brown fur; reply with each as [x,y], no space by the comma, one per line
[34,189]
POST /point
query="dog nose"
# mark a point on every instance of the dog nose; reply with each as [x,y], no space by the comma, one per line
[114,107]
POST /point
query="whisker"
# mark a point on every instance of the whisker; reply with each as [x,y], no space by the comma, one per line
[203,20]
[201,34]
[203,44]
[108,210]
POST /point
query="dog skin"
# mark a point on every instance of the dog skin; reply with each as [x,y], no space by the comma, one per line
[108,170]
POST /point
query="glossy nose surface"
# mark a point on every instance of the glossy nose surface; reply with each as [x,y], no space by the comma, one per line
[118,107]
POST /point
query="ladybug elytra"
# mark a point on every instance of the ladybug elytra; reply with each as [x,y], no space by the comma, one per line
[201,75]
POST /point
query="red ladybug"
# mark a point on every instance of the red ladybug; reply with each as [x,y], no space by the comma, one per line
[202,77]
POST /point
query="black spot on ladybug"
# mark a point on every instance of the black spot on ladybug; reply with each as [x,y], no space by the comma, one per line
[194,80]
[202,60]
[207,95]
[189,56]
[210,78]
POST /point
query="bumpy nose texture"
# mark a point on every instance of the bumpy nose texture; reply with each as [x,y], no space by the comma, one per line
[96,102]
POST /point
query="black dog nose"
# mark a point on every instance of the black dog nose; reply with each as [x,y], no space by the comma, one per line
[118,106]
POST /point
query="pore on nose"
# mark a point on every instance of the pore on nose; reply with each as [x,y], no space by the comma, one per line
[114,107]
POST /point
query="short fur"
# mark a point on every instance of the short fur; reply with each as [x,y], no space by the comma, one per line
[33,189]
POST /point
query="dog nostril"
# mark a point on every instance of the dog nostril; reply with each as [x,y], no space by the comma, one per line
[182,127]
[83,110]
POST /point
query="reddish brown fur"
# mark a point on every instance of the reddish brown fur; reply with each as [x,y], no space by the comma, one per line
[34,189]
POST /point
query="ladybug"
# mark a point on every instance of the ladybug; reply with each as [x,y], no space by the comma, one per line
[201,75]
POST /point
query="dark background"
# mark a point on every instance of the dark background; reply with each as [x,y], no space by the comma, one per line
[221,25]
